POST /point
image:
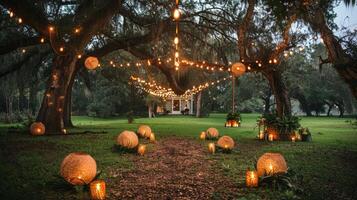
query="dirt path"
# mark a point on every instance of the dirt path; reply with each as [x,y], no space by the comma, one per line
[175,169]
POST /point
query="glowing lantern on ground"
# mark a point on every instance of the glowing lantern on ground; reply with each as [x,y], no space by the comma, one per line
[141,149]
[211,148]
[228,123]
[271,163]
[152,137]
[37,128]
[144,131]
[261,135]
[91,62]
[97,190]
[203,135]
[128,139]
[251,178]
[226,143]
[212,133]
[270,137]
[78,168]
[238,69]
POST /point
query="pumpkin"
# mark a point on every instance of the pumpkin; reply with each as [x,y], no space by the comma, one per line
[225,142]
[144,131]
[238,69]
[128,139]
[91,63]
[271,163]
[212,133]
[78,168]
[37,128]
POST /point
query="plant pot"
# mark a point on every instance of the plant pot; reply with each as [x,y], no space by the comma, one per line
[306,138]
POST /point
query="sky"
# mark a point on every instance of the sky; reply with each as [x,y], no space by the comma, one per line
[346,16]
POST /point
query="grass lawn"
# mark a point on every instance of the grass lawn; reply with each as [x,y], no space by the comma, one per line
[29,166]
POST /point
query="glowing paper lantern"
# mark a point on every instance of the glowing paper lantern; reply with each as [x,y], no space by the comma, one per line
[78,168]
[152,137]
[271,163]
[37,128]
[144,131]
[226,143]
[128,139]
[203,135]
[91,63]
[238,69]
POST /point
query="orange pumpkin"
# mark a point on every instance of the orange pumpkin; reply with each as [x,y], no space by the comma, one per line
[271,163]
[212,133]
[225,142]
[128,139]
[144,131]
[37,128]
[78,168]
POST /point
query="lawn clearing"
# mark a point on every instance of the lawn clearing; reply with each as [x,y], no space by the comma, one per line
[30,165]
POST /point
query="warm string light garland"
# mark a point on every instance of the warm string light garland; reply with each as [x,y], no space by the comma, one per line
[153,88]
[176,16]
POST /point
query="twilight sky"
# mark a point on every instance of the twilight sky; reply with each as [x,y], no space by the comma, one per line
[346,16]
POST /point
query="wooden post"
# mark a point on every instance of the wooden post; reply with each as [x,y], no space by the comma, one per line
[233,85]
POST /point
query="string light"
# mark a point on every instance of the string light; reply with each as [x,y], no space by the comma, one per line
[20,20]
[61,49]
[42,40]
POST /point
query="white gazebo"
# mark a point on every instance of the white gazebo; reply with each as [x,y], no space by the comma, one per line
[176,104]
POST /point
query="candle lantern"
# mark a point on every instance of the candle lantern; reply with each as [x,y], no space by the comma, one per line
[261,135]
[211,148]
[271,137]
[141,149]
[293,138]
[251,178]
[152,137]
[228,123]
[97,190]
[203,135]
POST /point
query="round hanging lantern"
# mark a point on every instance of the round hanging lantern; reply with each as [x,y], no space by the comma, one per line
[238,69]
[225,142]
[271,163]
[212,133]
[144,131]
[128,139]
[78,168]
[91,62]
[37,128]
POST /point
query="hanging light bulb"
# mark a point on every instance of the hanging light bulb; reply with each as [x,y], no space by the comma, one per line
[176,40]
[176,14]
[42,40]
[176,54]
[20,20]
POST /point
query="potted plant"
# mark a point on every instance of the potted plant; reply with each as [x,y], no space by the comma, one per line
[281,128]
[305,134]
[233,120]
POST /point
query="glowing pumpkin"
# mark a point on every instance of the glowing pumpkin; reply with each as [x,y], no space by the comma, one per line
[212,133]
[78,168]
[91,63]
[128,139]
[238,69]
[271,163]
[37,128]
[225,142]
[144,131]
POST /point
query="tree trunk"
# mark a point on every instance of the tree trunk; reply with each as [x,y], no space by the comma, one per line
[67,111]
[329,109]
[58,88]
[33,99]
[149,110]
[283,105]
[198,104]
